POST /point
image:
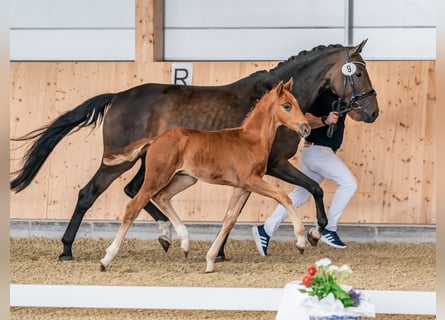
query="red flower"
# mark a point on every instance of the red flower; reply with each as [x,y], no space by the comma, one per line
[312,271]
[307,281]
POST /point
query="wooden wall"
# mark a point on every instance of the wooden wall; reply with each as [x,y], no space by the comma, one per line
[393,158]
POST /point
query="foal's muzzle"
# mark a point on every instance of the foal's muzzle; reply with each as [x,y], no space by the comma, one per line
[304,130]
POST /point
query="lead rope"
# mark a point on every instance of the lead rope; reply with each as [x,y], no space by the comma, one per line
[336,105]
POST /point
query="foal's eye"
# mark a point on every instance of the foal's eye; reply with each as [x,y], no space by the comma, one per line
[287,106]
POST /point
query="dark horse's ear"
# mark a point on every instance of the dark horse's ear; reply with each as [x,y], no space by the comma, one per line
[289,84]
[357,49]
[280,88]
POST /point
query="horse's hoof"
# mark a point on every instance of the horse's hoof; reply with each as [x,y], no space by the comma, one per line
[63,257]
[165,243]
[102,267]
[220,259]
[184,253]
[300,249]
[313,241]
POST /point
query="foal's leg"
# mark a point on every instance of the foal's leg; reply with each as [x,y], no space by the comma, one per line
[132,188]
[258,185]
[179,183]
[132,211]
[236,204]
[102,179]
[152,184]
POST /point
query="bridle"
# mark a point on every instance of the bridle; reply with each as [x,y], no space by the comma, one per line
[340,106]
[354,103]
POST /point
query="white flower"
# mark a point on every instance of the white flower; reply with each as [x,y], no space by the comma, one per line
[333,268]
[323,262]
[346,287]
[345,268]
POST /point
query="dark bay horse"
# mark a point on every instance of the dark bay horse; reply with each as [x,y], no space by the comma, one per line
[235,157]
[150,109]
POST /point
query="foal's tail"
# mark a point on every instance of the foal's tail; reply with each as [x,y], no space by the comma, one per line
[91,112]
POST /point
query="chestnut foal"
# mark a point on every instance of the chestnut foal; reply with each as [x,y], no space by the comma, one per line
[236,157]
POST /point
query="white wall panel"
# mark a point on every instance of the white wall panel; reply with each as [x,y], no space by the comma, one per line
[397,44]
[72,45]
[266,30]
[243,44]
[253,13]
[72,30]
[395,13]
[61,14]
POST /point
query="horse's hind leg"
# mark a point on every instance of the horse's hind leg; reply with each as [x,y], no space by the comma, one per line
[236,204]
[179,183]
[132,188]
[102,179]
[221,257]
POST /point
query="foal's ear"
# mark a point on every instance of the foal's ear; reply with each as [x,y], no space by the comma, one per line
[280,88]
[357,49]
[288,85]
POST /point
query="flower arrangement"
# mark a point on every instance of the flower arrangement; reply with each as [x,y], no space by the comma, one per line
[325,278]
[328,294]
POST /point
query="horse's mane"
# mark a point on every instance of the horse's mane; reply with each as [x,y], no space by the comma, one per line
[304,54]
[309,53]
[317,49]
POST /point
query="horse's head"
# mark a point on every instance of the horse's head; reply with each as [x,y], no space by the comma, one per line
[288,111]
[350,81]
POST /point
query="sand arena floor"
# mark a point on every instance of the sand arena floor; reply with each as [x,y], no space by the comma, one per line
[376,266]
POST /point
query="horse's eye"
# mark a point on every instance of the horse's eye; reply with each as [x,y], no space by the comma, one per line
[287,106]
[358,74]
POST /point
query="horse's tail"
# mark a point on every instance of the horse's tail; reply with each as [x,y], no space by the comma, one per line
[91,112]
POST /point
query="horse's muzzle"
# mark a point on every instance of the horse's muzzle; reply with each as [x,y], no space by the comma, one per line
[304,130]
[370,118]
[364,115]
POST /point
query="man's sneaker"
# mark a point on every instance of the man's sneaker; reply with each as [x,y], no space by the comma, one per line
[332,239]
[261,239]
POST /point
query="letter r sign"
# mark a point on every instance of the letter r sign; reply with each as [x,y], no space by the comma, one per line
[182,73]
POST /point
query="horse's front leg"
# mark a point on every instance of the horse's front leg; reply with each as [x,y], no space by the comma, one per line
[236,204]
[287,172]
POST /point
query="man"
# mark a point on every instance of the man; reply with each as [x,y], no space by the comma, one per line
[318,161]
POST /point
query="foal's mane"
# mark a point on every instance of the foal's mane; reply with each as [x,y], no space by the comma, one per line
[256,104]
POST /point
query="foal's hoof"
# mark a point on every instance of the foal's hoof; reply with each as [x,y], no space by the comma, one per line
[165,242]
[184,253]
[313,241]
[300,249]
[63,257]
[221,258]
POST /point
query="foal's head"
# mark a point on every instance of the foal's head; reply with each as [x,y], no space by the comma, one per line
[287,110]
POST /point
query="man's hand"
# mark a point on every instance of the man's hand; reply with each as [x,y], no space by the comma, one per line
[332,118]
